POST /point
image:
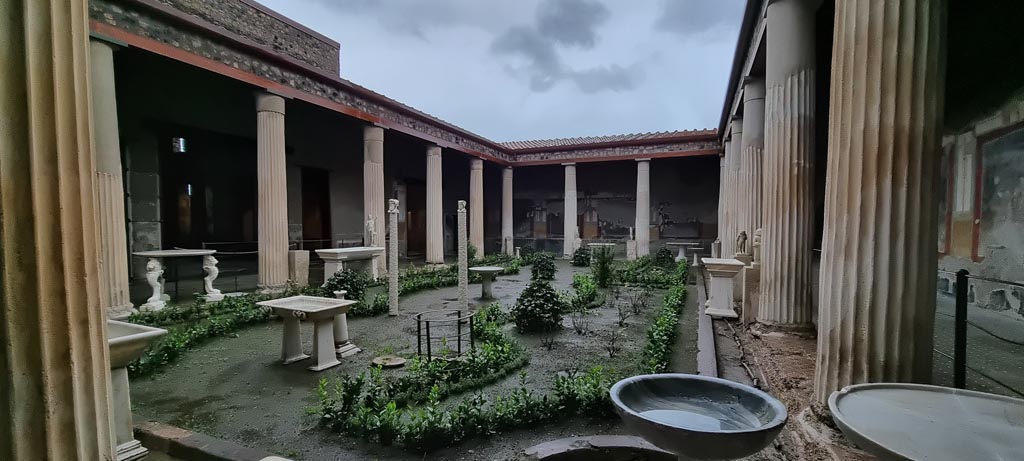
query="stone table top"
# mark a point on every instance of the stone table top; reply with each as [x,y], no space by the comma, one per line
[601,244]
[350,252]
[486,269]
[682,244]
[177,253]
[307,304]
[722,261]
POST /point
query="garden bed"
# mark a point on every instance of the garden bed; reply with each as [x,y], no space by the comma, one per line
[235,387]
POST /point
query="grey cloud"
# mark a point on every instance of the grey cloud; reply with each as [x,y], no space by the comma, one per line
[566,23]
[695,17]
[571,22]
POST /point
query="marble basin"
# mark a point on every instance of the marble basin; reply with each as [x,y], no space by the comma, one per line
[699,417]
[127,341]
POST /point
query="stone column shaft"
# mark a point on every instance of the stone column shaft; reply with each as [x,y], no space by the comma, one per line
[569,232]
[507,237]
[373,189]
[643,207]
[109,184]
[788,207]
[735,192]
[54,362]
[878,250]
[272,196]
[435,212]
[721,191]
[752,148]
[476,206]
[393,257]
[463,255]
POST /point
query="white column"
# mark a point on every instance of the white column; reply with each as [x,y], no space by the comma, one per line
[373,190]
[788,207]
[463,255]
[272,195]
[476,206]
[569,228]
[725,202]
[721,191]
[393,257]
[751,150]
[54,361]
[735,211]
[109,184]
[507,237]
[435,213]
[643,207]
[878,250]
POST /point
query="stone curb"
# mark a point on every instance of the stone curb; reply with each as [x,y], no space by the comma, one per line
[598,447]
[182,443]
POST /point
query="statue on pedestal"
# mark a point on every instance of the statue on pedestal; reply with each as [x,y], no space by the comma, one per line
[757,246]
[371,231]
[741,243]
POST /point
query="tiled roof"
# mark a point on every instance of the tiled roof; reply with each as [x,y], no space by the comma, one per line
[590,140]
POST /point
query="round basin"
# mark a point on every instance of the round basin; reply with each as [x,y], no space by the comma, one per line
[699,417]
[917,421]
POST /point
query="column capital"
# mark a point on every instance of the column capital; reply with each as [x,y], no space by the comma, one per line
[753,88]
[434,150]
[269,102]
[569,164]
[737,125]
[476,164]
[643,160]
[373,133]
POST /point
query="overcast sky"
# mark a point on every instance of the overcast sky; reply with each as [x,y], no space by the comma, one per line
[535,69]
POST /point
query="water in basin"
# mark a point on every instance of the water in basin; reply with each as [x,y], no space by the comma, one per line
[702,414]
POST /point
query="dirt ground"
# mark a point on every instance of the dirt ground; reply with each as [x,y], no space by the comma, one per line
[235,388]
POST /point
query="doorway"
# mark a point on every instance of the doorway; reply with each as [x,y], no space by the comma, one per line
[316,209]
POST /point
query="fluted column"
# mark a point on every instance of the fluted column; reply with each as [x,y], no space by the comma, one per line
[272,207]
[726,186]
[752,148]
[109,184]
[435,213]
[476,206]
[721,192]
[788,207]
[569,228]
[735,210]
[373,190]
[878,249]
[643,207]
[507,237]
[54,361]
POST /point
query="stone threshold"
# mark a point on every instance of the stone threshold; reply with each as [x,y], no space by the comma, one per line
[193,446]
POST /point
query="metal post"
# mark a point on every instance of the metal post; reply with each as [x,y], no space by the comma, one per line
[419,336]
[960,331]
[458,332]
[429,340]
[471,345]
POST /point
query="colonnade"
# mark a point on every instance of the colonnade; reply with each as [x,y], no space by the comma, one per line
[877,275]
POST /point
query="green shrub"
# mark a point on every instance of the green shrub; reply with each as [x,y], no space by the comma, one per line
[543,266]
[662,334]
[586,290]
[581,257]
[538,309]
[664,258]
[643,272]
[378,306]
[602,266]
[352,281]
[470,253]
[526,253]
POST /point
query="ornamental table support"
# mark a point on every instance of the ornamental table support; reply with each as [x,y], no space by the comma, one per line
[344,345]
[321,311]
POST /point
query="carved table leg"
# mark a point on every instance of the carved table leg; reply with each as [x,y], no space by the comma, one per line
[485,286]
[323,345]
[682,254]
[291,342]
[154,276]
[210,266]
[345,347]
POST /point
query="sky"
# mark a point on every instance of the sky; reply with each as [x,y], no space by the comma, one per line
[538,69]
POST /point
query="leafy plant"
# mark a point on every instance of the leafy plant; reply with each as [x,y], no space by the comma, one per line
[601,261]
[526,253]
[663,258]
[543,266]
[538,309]
[353,281]
[586,290]
[581,257]
[643,272]
[470,253]
[662,333]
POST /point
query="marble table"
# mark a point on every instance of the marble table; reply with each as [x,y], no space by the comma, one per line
[155,275]
[682,248]
[722,271]
[321,311]
[487,276]
[336,259]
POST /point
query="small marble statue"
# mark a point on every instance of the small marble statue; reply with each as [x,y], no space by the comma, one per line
[757,246]
[154,274]
[631,233]
[741,243]
[210,266]
[371,231]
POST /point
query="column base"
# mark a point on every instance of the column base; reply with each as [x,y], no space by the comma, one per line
[153,306]
[121,312]
[213,297]
[347,350]
[272,290]
[131,451]
[719,312]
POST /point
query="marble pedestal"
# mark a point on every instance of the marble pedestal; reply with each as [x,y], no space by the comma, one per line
[321,311]
[738,280]
[126,342]
[723,273]
[342,341]
[487,276]
[751,296]
[630,250]
[355,258]
[298,267]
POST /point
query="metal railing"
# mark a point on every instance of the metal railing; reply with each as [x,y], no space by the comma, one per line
[961,322]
